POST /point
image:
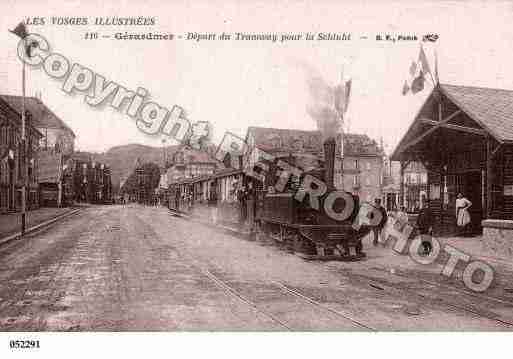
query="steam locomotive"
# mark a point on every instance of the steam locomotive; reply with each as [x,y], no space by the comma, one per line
[311,222]
[322,226]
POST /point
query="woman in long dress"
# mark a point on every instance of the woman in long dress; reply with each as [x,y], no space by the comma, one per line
[462,214]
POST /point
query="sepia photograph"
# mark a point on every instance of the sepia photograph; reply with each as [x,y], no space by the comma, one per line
[215,175]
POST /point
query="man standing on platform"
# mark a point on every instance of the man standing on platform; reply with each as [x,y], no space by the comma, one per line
[212,202]
[377,229]
[425,227]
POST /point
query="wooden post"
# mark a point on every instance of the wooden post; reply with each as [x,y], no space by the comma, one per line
[489,179]
[401,187]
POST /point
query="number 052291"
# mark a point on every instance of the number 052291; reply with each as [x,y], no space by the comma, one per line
[24,344]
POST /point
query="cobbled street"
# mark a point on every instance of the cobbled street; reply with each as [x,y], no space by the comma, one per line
[133,268]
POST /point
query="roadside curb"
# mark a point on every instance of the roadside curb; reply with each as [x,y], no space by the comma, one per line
[39,226]
[231,230]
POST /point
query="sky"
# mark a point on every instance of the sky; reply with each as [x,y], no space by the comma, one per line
[236,84]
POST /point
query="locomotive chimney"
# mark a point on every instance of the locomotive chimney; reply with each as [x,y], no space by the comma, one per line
[329,160]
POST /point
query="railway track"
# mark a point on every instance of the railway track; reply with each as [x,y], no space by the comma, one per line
[462,291]
[279,289]
[433,292]
[291,292]
[429,292]
[320,305]
[229,290]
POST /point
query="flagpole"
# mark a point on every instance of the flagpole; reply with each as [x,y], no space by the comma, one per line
[436,67]
[24,149]
[341,114]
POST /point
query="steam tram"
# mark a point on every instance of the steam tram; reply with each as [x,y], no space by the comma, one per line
[291,217]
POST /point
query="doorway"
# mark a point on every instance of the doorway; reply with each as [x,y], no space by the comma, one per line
[471,186]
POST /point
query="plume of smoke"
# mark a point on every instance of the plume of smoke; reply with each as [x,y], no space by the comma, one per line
[327,120]
[322,104]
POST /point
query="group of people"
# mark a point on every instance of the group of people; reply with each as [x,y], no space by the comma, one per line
[425,220]
[242,193]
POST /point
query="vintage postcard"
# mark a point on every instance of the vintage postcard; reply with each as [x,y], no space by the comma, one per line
[216,166]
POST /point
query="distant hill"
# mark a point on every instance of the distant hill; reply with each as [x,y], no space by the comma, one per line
[121,159]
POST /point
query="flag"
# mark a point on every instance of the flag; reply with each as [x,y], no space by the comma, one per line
[406,88]
[424,62]
[342,94]
[413,68]
[20,30]
[412,71]
[348,94]
[340,98]
[418,84]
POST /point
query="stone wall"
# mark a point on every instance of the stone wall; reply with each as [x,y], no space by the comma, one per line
[498,236]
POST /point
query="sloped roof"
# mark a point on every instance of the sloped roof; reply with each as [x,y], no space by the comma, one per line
[491,108]
[191,155]
[354,144]
[9,112]
[42,116]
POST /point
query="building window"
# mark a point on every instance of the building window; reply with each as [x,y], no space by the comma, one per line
[367,181]
[368,166]
[356,164]
[423,178]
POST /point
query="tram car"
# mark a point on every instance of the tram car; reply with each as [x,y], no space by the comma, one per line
[311,232]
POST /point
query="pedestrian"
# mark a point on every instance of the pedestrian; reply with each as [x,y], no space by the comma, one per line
[242,199]
[212,202]
[250,203]
[402,216]
[377,229]
[425,227]
[416,207]
[462,214]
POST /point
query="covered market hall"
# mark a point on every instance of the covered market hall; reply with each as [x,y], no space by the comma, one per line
[464,137]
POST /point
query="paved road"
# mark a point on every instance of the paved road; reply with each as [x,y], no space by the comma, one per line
[138,268]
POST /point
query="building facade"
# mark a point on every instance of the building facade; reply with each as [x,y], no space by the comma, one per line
[361,171]
[190,163]
[88,181]
[464,137]
[54,147]
[12,161]
[363,167]
[414,183]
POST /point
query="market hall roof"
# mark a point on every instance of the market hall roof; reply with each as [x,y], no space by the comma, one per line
[491,110]
[288,140]
[42,116]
